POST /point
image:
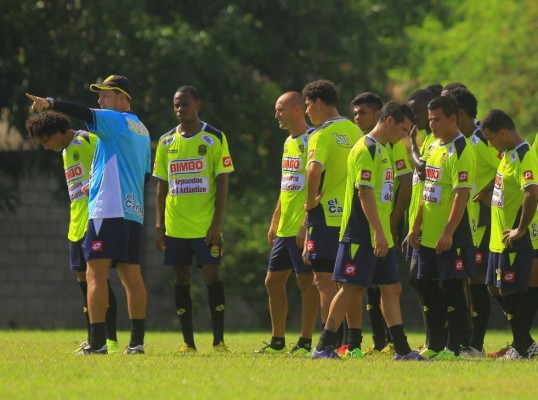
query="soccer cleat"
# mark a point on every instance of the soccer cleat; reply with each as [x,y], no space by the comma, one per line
[355,353]
[446,355]
[300,351]
[138,349]
[88,351]
[388,350]
[267,349]
[533,350]
[512,354]
[326,353]
[221,348]
[501,352]
[112,346]
[428,353]
[471,352]
[81,346]
[342,350]
[185,348]
[371,351]
[412,356]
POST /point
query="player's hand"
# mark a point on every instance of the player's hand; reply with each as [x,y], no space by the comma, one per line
[271,235]
[444,243]
[39,103]
[381,245]
[511,235]
[412,240]
[395,236]
[301,237]
[309,205]
[484,197]
[214,234]
[161,240]
[305,258]
[85,189]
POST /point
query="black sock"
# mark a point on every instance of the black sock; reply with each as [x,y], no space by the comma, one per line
[340,338]
[111,315]
[84,288]
[137,332]
[345,331]
[278,343]
[401,346]
[434,313]
[481,311]
[516,312]
[457,313]
[377,322]
[531,301]
[305,343]
[97,335]
[326,339]
[216,306]
[184,310]
[354,338]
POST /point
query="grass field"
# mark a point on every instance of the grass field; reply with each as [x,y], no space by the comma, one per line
[40,365]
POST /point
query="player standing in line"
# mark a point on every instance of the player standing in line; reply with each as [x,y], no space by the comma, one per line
[115,207]
[192,164]
[443,221]
[52,130]
[366,111]
[487,161]
[514,227]
[326,172]
[366,253]
[286,233]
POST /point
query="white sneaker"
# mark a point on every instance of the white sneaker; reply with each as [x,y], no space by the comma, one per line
[471,352]
[512,354]
[533,350]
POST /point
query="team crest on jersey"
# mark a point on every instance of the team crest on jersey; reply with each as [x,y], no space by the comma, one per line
[301,148]
[76,156]
[463,176]
[207,139]
[366,175]
[400,164]
[458,264]
[443,158]
[350,270]
[166,141]
[202,149]
[527,175]
[509,276]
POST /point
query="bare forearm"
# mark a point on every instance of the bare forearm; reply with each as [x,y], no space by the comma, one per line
[221,198]
[528,209]
[402,200]
[457,210]
[162,191]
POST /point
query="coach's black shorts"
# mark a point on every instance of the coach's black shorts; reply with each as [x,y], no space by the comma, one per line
[180,252]
[77,262]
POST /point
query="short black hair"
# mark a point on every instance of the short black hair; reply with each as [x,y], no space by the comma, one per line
[446,103]
[427,94]
[466,101]
[371,100]
[495,120]
[190,90]
[453,85]
[47,124]
[321,89]
[398,111]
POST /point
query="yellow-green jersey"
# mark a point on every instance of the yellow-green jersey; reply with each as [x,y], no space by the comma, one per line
[329,146]
[487,161]
[449,166]
[535,144]
[401,165]
[190,165]
[293,185]
[77,157]
[517,170]
[418,185]
[369,165]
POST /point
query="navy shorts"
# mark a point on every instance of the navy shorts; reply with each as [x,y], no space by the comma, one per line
[482,253]
[510,271]
[359,266]
[322,242]
[180,252]
[118,239]
[285,254]
[455,263]
[77,262]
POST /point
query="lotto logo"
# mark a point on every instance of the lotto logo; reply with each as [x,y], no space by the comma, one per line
[350,270]
[366,175]
[96,246]
[311,154]
[227,161]
[479,257]
[528,175]
[458,265]
[509,276]
[310,247]
[462,176]
[400,164]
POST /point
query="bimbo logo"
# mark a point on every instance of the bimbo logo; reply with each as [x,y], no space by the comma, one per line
[389,175]
[75,172]
[432,173]
[192,166]
[291,164]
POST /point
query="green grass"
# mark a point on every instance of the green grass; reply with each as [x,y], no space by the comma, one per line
[40,365]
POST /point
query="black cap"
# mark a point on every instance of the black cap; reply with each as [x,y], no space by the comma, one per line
[113,82]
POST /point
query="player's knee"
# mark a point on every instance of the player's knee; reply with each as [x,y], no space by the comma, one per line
[305,282]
